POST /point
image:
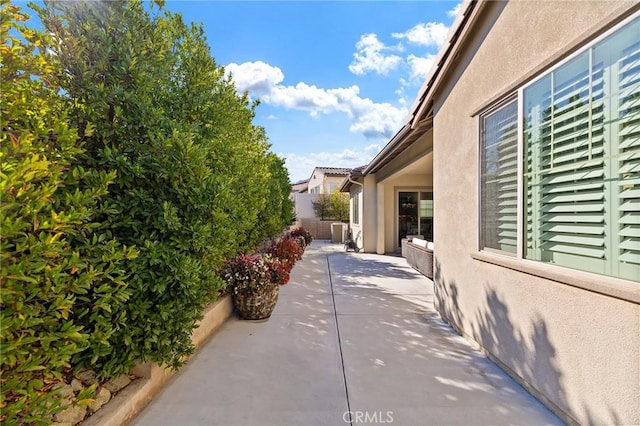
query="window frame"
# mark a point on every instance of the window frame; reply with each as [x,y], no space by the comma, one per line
[494,108]
[355,207]
[610,285]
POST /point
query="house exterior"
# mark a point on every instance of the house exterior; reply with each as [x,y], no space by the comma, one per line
[325,180]
[527,134]
[395,190]
[299,187]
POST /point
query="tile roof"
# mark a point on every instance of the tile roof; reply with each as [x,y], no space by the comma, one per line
[334,170]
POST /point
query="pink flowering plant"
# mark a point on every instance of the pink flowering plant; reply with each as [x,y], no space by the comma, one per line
[247,273]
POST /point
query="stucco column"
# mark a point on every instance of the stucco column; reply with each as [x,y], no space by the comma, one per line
[369,214]
[380,219]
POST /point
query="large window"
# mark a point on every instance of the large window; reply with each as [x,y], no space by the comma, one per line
[579,196]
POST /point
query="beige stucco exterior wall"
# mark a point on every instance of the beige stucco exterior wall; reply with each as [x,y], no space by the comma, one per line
[369,214]
[356,228]
[316,180]
[336,180]
[323,181]
[577,350]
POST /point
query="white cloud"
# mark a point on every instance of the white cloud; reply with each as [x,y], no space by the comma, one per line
[301,166]
[420,66]
[454,12]
[305,97]
[429,34]
[370,57]
[374,120]
[255,77]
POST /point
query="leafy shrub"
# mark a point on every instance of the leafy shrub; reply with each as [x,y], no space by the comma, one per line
[63,279]
[339,206]
[130,168]
[277,212]
[304,233]
[322,206]
[193,174]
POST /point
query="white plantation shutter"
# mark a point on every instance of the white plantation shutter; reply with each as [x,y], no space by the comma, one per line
[500,180]
[566,166]
[628,161]
[582,164]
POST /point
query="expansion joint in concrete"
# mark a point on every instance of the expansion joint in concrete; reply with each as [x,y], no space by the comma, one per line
[335,314]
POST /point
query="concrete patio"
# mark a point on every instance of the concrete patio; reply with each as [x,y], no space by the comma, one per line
[354,340]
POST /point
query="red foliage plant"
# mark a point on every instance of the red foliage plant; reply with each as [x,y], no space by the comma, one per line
[288,250]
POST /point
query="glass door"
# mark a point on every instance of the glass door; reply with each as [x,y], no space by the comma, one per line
[408,223]
[426,215]
[415,214]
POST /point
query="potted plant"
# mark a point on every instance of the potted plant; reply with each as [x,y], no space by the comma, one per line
[250,280]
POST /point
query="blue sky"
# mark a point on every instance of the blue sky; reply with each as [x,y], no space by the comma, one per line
[335,79]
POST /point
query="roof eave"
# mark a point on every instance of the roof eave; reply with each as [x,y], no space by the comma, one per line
[424,102]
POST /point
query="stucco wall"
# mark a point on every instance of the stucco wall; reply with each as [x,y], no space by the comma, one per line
[322,181]
[328,180]
[576,349]
[369,214]
[316,179]
[303,204]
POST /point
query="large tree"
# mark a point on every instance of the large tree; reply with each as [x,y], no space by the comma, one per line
[63,276]
[192,170]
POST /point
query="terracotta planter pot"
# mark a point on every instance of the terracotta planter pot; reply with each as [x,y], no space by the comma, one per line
[257,305]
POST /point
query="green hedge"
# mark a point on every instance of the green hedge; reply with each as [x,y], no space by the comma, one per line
[130,170]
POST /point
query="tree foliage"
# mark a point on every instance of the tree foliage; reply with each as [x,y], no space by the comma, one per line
[322,206]
[131,169]
[339,206]
[277,212]
[192,171]
[63,281]
[333,206]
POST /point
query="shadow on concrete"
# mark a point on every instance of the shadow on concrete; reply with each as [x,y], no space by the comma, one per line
[530,358]
[417,366]
[372,266]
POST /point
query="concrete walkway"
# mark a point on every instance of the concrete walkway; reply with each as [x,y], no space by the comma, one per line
[354,340]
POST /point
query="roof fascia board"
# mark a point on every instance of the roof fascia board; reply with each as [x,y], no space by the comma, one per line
[419,105]
[441,55]
[460,27]
[456,38]
[390,147]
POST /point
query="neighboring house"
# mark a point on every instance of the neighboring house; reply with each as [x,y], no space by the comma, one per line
[326,180]
[299,187]
[527,133]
